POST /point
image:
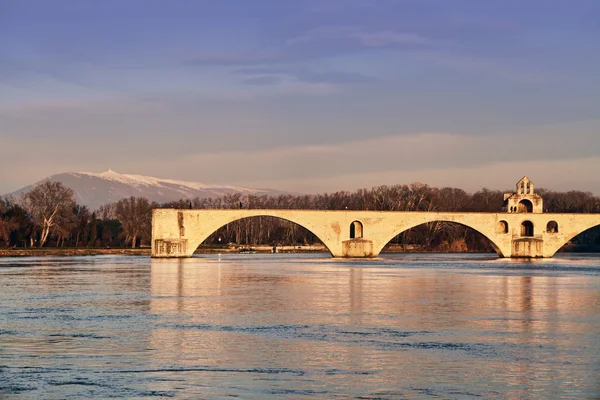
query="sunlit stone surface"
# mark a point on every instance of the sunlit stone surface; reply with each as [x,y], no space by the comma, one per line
[177,233]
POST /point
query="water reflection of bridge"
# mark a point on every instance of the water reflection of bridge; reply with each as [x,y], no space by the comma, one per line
[236,313]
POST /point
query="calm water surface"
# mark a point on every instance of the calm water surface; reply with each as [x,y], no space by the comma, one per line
[275,326]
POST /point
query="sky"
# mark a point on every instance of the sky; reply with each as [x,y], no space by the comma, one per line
[307,96]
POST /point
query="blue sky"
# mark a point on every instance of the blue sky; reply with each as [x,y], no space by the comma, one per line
[308,96]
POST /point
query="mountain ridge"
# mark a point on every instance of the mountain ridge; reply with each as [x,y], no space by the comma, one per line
[96,189]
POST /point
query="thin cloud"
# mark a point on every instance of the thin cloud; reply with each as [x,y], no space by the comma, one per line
[262,80]
[88,105]
[339,77]
[274,74]
[240,58]
[524,74]
[363,37]
[314,44]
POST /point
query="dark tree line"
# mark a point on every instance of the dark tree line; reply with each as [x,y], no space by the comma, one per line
[48,215]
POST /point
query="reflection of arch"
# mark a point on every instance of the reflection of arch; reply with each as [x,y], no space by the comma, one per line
[502,227]
[525,206]
[527,229]
[494,245]
[552,227]
[205,233]
[356,230]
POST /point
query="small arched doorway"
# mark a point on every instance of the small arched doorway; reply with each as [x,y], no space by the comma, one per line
[527,229]
[525,206]
[552,227]
[502,227]
[356,230]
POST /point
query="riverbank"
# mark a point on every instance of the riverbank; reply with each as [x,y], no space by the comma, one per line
[263,249]
[35,252]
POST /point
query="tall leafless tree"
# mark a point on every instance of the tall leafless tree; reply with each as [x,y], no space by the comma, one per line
[47,204]
[135,215]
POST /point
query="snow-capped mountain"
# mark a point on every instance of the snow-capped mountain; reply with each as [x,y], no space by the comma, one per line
[94,190]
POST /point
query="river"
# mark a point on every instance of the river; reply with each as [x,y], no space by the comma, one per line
[299,326]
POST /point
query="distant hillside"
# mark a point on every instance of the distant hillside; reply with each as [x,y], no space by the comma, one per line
[94,190]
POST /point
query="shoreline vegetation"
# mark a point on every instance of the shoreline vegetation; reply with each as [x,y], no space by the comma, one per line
[242,249]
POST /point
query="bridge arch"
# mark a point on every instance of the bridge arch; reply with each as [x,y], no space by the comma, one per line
[527,229]
[483,232]
[198,235]
[566,238]
[525,206]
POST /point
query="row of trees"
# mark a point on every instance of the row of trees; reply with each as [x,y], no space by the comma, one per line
[49,215]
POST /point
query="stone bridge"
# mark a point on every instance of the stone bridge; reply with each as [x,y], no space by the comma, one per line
[355,234]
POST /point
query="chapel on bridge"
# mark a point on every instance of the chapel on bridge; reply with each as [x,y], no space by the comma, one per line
[524,200]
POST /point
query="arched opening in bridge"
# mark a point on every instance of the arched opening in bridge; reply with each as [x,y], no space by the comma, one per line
[502,227]
[441,236]
[525,206]
[552,227]
[527,229]
[263,234]
[356,230]
[587,241]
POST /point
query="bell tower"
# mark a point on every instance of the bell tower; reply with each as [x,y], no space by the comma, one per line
[524,199]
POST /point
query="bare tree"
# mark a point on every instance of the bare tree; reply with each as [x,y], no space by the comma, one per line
[64,227]
[106,211]
[82,223]
[47,204]
[135,215]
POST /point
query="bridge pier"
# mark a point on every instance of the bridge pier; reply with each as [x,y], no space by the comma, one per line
[358,248]
[527,248]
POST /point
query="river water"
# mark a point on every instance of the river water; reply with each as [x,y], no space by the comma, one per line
[299,326]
